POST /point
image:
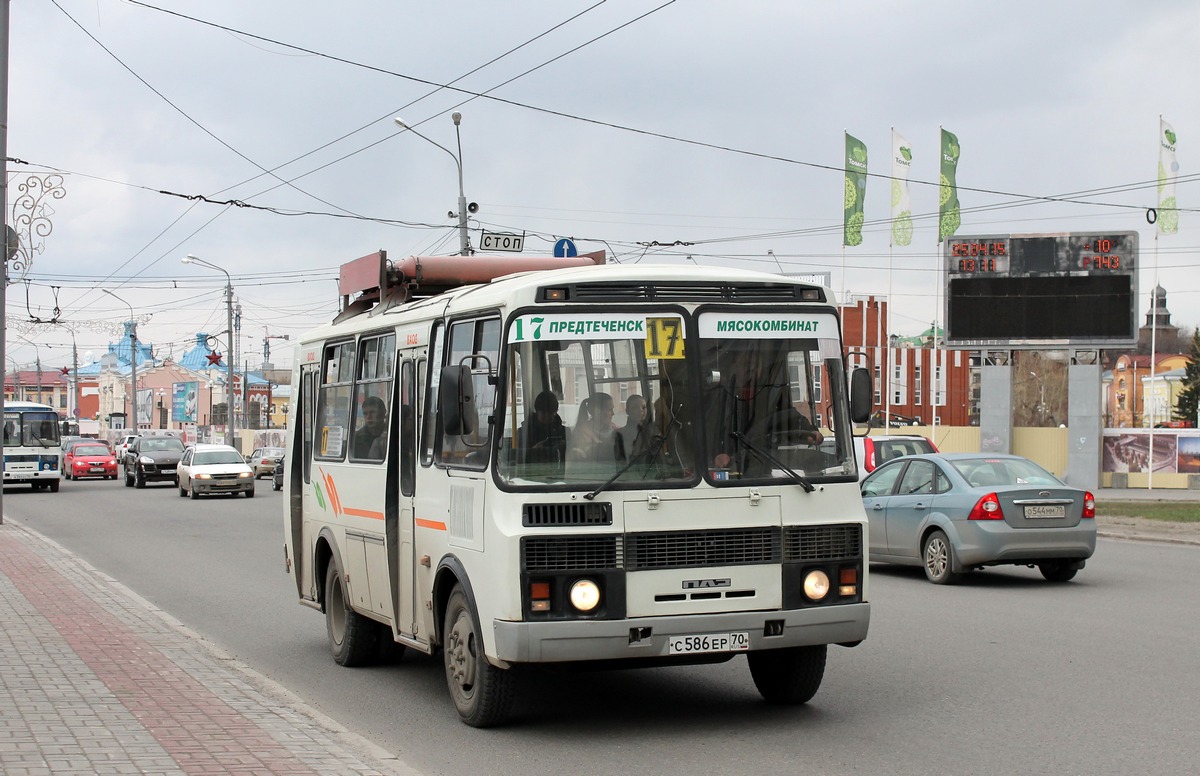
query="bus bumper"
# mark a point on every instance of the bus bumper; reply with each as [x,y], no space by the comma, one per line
[646,637]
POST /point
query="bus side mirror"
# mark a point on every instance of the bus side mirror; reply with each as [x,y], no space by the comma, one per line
[456,399]
[860,395]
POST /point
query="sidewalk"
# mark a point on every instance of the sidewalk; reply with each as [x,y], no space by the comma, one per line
[96,680]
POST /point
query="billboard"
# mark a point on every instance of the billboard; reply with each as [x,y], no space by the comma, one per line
[185,397]
[1041,290]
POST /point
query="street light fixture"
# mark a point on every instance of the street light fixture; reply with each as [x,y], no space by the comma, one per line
[463,243]
[229,432]
[132,359]
[1041,397]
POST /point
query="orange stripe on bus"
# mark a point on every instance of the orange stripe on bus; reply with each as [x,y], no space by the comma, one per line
[363,513]
[434,524]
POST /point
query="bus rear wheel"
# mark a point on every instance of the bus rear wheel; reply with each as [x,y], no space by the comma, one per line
[482,693]
[352,637]
[791,675]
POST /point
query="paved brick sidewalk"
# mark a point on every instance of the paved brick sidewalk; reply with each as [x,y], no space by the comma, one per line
[95,680]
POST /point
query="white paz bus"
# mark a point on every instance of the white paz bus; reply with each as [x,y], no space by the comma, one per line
[515,461]
[32,445]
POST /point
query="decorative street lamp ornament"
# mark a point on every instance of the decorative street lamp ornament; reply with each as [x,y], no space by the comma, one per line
[31,214]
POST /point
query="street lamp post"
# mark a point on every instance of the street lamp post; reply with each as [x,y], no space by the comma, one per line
[463,243]
[229,429]
[1041,397]
[132,359]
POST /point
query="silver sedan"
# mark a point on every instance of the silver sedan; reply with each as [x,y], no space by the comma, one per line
[951,513]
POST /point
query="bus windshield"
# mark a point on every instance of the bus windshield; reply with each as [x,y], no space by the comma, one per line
[31,428]
[774,398]
[591,395]
[626,397]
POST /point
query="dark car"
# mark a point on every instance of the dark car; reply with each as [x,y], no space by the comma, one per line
[278,483]
[152,459]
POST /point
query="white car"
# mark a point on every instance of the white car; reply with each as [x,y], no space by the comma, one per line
[208,469]
[872,451]
[122,445]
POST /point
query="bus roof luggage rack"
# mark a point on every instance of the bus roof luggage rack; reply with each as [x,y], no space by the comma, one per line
[375,279]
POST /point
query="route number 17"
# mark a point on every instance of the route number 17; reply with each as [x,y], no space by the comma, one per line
[664,338]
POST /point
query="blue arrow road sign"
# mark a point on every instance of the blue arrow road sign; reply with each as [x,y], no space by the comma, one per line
[564,248]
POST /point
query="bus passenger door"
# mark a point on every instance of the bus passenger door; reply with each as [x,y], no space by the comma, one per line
[403,465]
[302,500]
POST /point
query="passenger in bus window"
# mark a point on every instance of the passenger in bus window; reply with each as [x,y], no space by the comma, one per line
[633,435]
[543,438]
[370,439]
[594,438]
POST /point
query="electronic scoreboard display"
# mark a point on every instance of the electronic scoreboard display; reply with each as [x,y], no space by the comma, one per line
[1041,290]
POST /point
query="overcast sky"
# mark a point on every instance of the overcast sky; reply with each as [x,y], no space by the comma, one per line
[690,131]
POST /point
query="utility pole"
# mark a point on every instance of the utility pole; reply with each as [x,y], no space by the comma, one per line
[246,394]
[75,413]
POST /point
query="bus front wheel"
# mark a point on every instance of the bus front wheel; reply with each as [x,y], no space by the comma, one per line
[481,692]
[790,675]
[352,637]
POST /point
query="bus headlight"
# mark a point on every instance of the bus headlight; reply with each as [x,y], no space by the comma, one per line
[816,585]
[585,595]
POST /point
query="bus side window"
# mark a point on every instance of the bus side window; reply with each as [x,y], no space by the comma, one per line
[433,368]
[475,344]
[333,401]
[408,428]
[373,394]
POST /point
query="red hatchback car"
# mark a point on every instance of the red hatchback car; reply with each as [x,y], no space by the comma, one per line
[89,460]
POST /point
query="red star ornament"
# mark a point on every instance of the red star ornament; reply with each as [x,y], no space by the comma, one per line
[214,359]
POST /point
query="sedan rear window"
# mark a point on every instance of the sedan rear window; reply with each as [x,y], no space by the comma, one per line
[985,472]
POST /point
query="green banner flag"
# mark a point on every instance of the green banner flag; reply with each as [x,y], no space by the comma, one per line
[949,215]
[902,225]
[856,190]
[1168,170]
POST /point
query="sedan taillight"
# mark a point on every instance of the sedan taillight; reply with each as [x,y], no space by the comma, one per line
[987,508]
[1089,504]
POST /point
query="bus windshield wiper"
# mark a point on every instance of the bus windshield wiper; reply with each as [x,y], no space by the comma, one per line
[650,453]
[764,455]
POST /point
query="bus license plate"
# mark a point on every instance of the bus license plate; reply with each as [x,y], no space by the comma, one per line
[1046,511]
[712,642]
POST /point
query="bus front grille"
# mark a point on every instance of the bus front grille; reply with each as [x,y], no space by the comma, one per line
[687,549]
[692,549]
[555,515]
[567,553]
[805,543]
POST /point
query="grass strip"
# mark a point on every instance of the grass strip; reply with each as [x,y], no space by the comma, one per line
[1167,511]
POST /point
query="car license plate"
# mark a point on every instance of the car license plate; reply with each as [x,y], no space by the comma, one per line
[1045,511]
[711,642]
[97,468]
